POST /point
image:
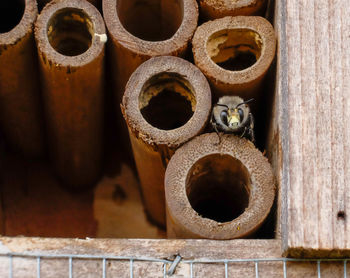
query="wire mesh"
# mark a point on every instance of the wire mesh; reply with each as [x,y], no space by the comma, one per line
[169,266]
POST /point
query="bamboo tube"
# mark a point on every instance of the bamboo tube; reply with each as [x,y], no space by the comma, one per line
[217,189]
[141,29]
[96,3]
[235,53]
[213,9]
[20,113]
[70,36]
[167,102]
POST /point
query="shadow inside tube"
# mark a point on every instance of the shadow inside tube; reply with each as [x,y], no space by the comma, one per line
[11,13]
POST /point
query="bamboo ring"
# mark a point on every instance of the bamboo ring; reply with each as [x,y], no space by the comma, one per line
[213,9]
[167,102]
[20,111]
[71,36]
[235,53]
[217,190]
[140,30]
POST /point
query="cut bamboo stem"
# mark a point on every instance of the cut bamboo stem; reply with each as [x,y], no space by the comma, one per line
[20,112]
[141,29]
[167,102]
[217,188]
[235,53]
[71,36]
[213,9]
[96,3]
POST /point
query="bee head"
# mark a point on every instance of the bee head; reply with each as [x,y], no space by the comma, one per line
[234,118]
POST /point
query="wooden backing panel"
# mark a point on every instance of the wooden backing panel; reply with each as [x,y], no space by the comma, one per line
[317,153]
[50,268]
[24,267]
[118,269]
[148,269]
[92,269]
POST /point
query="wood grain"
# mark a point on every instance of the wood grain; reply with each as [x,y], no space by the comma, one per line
[188,249]
[313,84]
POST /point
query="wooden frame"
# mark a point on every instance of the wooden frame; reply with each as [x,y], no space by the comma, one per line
[309,36]
[314,109]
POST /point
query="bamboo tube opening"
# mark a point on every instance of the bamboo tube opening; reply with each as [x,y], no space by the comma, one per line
[20,111]
[235,54]
[218,187]
[154,20]
[70,36]
[167,101]
[234,49]
[70,31]
[11,13]
[213,9]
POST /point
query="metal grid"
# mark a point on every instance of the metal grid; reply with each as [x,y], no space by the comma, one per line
[169,266]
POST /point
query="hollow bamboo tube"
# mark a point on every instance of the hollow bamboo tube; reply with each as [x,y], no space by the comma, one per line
[166,103]
[70,36]
[235,53]
[141,29]
[213,9]
[96,3]
[217,189]
[20,113]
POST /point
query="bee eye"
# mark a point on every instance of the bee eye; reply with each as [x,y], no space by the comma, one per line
[223,117]
[241,114]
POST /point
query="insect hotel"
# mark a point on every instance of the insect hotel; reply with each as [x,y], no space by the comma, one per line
[174,138]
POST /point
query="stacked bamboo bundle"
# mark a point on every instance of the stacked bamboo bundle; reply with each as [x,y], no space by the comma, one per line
[166,101]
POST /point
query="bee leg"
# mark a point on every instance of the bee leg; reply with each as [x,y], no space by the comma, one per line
[244,132]
[251,120]
[251,128]
[218,133]
[251,135]
[214,125]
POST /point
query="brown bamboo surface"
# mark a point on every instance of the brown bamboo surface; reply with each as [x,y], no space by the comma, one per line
[70,37]
[20,107]
[166,103]
[235,54]
[139,30]
[212,9]
[97,3]
[308,149]
[217,187]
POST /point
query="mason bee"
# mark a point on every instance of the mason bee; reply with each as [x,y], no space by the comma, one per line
[232,115]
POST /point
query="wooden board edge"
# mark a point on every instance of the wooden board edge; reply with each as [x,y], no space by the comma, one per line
[155,248]
[282,118]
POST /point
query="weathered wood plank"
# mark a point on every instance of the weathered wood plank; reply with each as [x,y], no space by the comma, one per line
[160,249]
[315,137]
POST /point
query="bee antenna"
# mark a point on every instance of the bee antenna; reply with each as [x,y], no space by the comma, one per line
[219,104]
[245,102]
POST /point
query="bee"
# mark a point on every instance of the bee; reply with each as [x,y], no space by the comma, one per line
[232,115]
